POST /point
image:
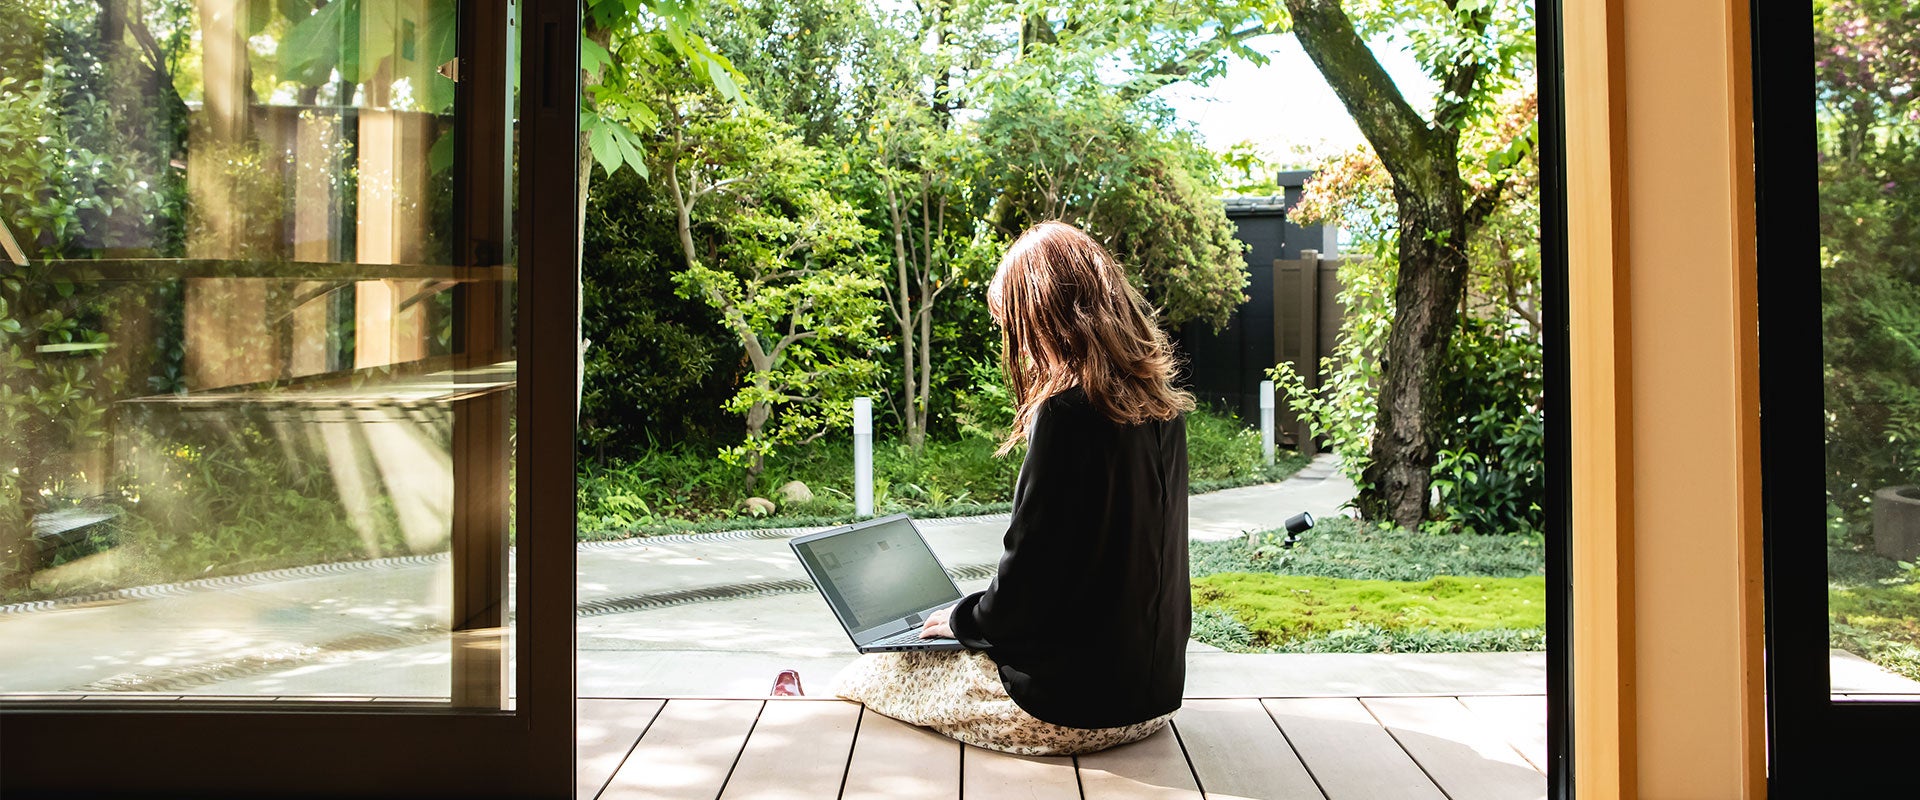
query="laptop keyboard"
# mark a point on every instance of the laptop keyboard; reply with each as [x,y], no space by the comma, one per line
[908,636]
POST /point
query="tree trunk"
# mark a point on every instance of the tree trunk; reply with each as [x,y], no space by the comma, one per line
[1426,305]
[602,37]
[903,314]
[921,411]
[757,415]
[1424,161]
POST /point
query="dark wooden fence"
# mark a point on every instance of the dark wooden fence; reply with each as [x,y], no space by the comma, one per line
[1292,314]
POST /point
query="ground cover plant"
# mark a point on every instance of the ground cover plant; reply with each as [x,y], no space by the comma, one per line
[1355,587]
[1873,606]
[1281,610]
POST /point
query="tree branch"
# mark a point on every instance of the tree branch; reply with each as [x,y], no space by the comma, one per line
[1458,85]
[1488,201]
[714,187]
[781,346]
[1174,70]
[1398,134]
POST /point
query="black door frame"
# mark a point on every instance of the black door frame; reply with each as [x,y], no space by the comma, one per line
[1550,67]
[1816,747]
[98,748]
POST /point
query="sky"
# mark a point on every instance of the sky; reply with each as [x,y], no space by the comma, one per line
[1285,104]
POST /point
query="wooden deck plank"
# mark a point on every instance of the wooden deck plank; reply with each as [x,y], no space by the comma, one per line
[607,730]
[896,761]
[1150,769]
[1348,752]
[687,752]
[1464,756]
[1521,719]
[991,775]
[798,751]
[1237,752]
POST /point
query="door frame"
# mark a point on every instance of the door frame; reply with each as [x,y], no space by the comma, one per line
[1550,68]
[53,748]
[1808,731]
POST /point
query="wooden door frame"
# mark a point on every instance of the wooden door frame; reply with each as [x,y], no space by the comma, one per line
[1663,401]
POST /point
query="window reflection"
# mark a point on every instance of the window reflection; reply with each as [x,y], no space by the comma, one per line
[241,364]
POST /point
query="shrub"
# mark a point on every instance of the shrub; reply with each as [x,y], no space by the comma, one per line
[660,366]
[1491,450]
[1872,347]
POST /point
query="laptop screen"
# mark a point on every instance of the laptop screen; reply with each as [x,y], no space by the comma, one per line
[876,574]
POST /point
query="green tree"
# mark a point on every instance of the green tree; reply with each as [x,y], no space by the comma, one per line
[1487,437]
[661,365]
[1866,74]
[627,48]
[1111,166]
[90,119]
[930,197]
[1473,49]
[768,247]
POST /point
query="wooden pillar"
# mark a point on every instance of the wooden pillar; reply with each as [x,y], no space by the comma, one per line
[228,341]
[1667,640]
[392,229]
[318,150]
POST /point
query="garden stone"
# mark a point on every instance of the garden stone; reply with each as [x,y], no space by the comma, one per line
[796,492]
[1896,522]
[759,506]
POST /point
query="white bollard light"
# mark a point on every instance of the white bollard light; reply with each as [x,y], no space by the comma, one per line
[863,456]
[1266,421]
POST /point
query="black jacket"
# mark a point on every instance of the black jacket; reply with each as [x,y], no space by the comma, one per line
[1089,615]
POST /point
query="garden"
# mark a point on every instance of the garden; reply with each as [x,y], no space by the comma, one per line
[790,205]
[1868,124]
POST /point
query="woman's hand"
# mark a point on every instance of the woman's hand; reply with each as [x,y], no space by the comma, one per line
[936,626]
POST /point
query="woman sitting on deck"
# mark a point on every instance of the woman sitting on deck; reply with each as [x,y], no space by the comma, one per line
[1079,644]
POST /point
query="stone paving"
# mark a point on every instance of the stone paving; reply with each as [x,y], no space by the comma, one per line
[698,615]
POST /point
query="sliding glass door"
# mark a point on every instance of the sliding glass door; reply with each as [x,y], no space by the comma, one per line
[271,334]
[1840,335]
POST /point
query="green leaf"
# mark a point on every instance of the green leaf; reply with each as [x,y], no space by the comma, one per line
[723,80]
[318,44]
[593,57]
[605,152]
[630,151]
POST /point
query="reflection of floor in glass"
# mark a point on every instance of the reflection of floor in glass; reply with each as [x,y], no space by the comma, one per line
[216,636]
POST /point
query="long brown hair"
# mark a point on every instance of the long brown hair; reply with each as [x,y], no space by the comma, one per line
[1069,318]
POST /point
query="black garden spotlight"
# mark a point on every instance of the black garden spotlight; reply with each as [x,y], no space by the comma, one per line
[1297,524]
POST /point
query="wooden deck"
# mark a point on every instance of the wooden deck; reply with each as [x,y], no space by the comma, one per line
[1442,748]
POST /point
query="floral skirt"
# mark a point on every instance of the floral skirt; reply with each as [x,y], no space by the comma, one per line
[958,693]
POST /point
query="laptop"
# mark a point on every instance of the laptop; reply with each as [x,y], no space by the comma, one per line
[881,580]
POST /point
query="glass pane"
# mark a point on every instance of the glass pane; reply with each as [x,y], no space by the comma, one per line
[1869,124]
[254,409]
